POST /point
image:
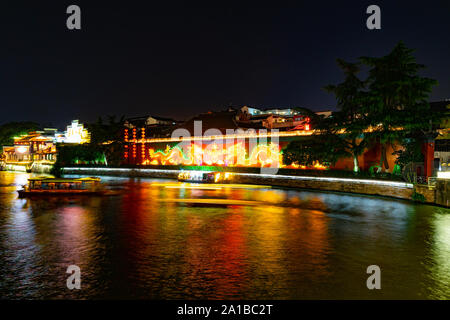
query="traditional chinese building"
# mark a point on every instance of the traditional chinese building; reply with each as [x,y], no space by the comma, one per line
[75,133]
[154,126]
[225,139]
[36,151]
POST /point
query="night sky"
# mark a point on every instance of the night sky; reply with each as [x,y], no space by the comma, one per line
[176,60]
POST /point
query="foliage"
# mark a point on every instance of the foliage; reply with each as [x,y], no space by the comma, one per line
[418,197]
[374,169]
[83,153]
[411,152]
[102,132]
[397,98]
[56,170]
[397,170]
[105,147]
[350,123]
[390,106]
[113,153]
[409,174]
[91,154]
[343,134]
[309,150]
[14,129]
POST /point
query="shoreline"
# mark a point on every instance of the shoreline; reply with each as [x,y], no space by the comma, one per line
[390,189]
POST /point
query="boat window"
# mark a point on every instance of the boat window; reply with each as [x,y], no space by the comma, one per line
[64,186]
[86,185]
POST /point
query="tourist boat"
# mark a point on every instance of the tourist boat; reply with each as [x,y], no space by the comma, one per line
[42,186]
[204,177]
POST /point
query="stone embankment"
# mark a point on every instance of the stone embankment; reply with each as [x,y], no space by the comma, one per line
[437,195]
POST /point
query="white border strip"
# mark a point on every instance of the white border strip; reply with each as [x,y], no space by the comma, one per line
[120,169]
[255,175]
[443,174]
[330,179]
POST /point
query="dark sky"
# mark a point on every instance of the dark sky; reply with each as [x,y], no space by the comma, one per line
[176,60]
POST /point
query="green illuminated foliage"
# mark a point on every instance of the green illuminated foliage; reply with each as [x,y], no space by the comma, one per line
[15,129]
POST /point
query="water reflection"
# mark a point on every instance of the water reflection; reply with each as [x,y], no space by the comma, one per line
[162,239]
[441,255]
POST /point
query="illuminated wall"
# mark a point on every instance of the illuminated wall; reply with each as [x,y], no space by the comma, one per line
[240,149]
[247,151]
[214,155]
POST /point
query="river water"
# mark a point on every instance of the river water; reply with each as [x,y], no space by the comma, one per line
[160,239]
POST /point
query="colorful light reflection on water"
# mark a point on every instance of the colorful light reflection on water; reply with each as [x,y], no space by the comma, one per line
[163,239]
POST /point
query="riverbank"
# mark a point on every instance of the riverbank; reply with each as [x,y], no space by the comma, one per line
[35,167]
[400,190]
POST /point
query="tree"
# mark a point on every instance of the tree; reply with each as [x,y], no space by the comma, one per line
[14,129]
[349,125]
[390,106]
[408,155]
[107,137]
[325,149]
[344,133]
[397,98]
[104,132]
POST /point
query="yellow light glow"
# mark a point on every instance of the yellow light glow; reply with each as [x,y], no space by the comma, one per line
[76,133]
[224,202]
[443,174]
[22,149]
[262,155]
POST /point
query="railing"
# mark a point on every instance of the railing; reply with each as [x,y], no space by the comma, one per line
[420,180]
[432,182]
